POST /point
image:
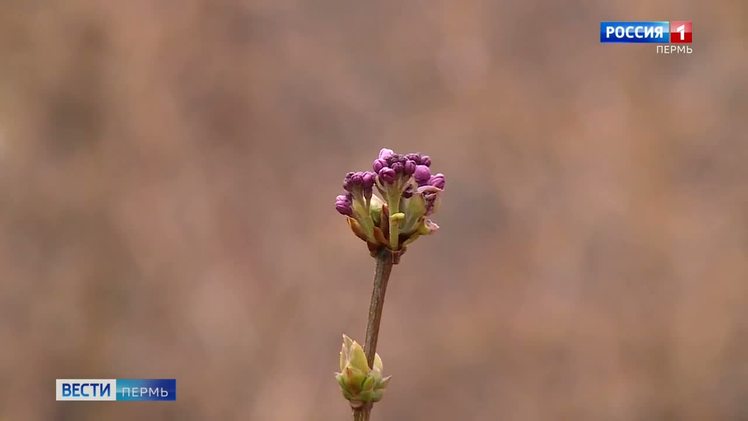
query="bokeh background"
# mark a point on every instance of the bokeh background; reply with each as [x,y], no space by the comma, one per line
[168,171]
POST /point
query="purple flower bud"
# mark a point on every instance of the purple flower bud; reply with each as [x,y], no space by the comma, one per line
[378,164]
[343,205]
[387,175]
[397,167]
[357,179]
[385,153]
[425,160]
[437,181]
[410,167]
[347,186]
[422,174]
[368,180]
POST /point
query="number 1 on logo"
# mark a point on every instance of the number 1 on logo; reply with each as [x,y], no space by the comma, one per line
[682,30]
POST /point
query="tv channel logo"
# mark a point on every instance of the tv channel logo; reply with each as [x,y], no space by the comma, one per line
[681,32]
[116,389]
[647,32]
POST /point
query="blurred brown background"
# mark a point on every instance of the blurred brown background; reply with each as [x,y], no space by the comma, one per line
[167,178]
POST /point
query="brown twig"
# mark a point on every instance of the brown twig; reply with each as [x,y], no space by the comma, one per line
[381,277]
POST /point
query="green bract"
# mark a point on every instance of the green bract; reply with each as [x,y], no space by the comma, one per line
[359,383]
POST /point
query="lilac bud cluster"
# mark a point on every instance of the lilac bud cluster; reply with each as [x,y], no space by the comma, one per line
[407,192]
[423,177]
[363,180]
[391,167]
[355,183]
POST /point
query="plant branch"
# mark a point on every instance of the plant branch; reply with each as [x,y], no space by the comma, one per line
[381,277]
[362,414]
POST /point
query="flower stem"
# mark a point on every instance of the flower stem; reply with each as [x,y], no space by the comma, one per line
[362,414]
[381,277]
[393,204]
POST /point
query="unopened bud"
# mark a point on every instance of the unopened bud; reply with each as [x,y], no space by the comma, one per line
[359,383]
